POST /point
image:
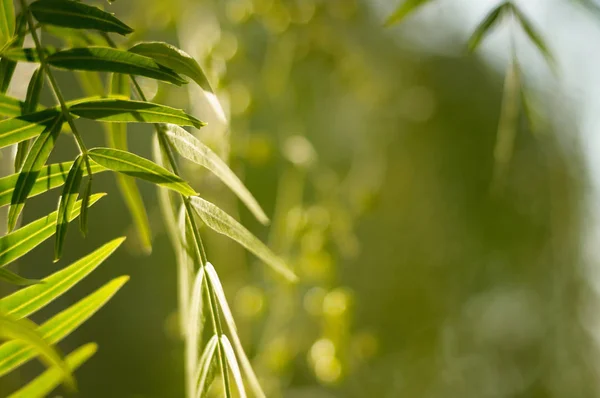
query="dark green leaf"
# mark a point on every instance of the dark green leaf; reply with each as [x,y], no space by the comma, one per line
[66,203]
[35,160]
[14,279]
[139,167]
[23,240]
[27,54]
[404,10]
[106,59]
[49,177]
[77,15]
[485,27]
[7,21]
[128,111]
[34,89]
[24,127]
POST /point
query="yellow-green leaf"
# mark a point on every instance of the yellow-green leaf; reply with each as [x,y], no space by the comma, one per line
[205,365]
[14,279]
[404,10]
[66,203]
[24,127]
[7,21]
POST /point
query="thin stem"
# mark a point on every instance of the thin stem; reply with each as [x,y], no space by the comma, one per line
[54,84]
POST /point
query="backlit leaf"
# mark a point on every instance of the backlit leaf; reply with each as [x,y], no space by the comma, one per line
[205,365]
[85,198]
[7,67]
[24,127]
[7,21]
[10,106]
[233,365]
[66,203]
[404,10]
[32,100]
[14,279]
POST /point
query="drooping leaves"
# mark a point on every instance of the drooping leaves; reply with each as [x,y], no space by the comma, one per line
[193,149]
[7,21]
[223,223]
[27,301]
[206,366]
[24,239]
[533,34]
[43,385]
[77,15]
[139,167]
[15,353]
[486,26]
[129,111]
[404,10]
[35,160]
[15,279]
[106,59]
[66,203]
[24,127]
[24,333]
[233,365]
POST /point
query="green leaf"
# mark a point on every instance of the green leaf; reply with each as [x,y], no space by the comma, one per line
[24,127]
[106,59]
[76,15]
[29,300]
[129,111]
[533,34]
[43,385]
[18,54]
[193,149]
[14,279]
[117,138]
[49,177]
[35,160]
[229,320]
[10,106]
[139,167]
[404,10]
[485,27]
[84,206]
[7,21]
[14,353]
[193,316]
[32,100]
[205,365]
[24,239]
[7,67]
[175,59]
[66,203]
[233,365]
[223,223]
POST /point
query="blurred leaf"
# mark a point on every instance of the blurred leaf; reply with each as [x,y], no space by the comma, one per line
[34,161]
[77,15]
[26,334]
[106,59]
[84,206]
[24,127]
[193,149]
[139,167]
[206,367]
[49,177]
[533,35]
[7,21]
[66,203]
[223,223]
[117,138]
[13,354]
[235,369]
[43,385]
[404,10]
[486,26]
[228,316]
[91,83]
[18,54]
[24,239]
[129,111]
[14,279]
[27,301]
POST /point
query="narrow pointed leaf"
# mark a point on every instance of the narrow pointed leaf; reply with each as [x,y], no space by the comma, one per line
[486,26]
[7,21]
[73,14]
[10,106]
[533,35]
[233,365]
[25,333]
[223,223]
[129,111]
[66,203]
[106,59]
[139,167]
[43,385]
[194,326]
[228,316]
[14,353]
[205,365]
[18,54]
[32,100]
[14,279]
[193,149]
[404,10]
[24,127]
[116,134]
[175,59]
[49,177]
[84,206]
[7,67]
[29,300]
[185,275]
[35,160]
[24,239]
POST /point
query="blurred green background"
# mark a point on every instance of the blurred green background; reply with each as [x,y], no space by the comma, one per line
[374,157]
